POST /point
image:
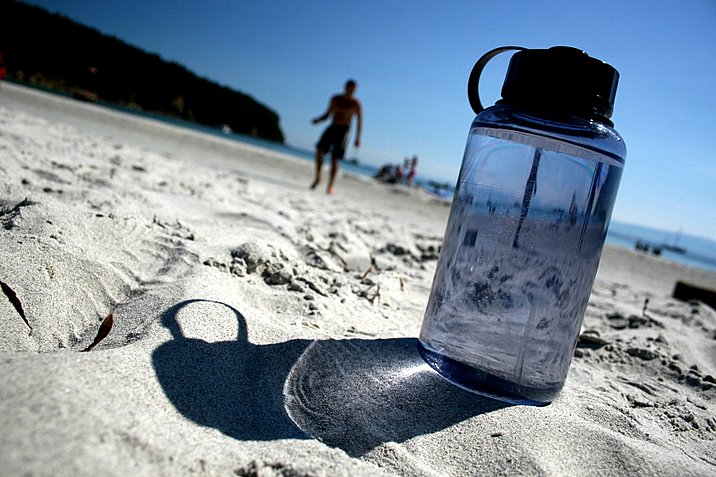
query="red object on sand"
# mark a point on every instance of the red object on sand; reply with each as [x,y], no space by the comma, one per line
[3,69]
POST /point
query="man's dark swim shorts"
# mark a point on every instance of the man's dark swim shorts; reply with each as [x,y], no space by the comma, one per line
[334,140]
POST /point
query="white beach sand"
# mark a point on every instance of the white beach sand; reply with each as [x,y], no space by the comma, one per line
[262,329]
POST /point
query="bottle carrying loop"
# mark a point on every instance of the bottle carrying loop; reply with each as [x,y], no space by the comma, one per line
[473,92]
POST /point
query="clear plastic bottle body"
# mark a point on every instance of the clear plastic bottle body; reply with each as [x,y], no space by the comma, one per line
[521,249]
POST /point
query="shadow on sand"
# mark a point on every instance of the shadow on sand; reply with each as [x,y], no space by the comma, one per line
[352,394]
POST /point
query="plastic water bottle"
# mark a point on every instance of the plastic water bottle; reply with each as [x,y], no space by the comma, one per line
[528,221]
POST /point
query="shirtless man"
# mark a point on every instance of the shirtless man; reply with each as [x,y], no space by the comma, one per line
[342,108]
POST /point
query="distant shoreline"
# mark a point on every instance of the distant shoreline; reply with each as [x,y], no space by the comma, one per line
[698,252]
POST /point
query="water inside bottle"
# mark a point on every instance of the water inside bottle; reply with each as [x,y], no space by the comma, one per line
[521,250]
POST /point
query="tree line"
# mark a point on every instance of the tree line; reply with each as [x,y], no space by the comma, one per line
[54,52]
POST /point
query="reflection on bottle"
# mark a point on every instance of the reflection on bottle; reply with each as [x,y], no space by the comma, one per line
[530,190]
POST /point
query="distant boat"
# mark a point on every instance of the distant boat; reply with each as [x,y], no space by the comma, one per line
[674,247]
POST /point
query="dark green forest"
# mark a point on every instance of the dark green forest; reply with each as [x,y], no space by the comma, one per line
[51,51]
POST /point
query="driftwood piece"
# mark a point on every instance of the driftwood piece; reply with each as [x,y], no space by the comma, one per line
[685,292]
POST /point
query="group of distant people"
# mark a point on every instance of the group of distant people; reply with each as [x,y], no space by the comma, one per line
[399,173]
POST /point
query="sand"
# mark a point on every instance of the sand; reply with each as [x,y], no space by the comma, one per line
[260,328]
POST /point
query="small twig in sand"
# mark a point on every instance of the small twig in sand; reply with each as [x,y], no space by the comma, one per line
[376,297]
[12,296]
[402,283]
[311,285]
[332,250]
[356,331]
[370,269]
[157,222]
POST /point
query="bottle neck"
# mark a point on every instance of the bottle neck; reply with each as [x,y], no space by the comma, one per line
[587,132]
[557,112]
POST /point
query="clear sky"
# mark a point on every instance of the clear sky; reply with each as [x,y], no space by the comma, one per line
[411,60]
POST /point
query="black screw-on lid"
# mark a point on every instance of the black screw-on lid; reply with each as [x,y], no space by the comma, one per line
[561,79]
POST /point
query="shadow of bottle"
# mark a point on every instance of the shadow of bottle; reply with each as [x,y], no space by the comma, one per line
[352,394]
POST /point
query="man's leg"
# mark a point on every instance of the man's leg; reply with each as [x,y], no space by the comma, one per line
[319,166]
[334,172]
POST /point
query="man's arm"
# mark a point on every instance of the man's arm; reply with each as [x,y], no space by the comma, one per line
[326,114]
[359,124]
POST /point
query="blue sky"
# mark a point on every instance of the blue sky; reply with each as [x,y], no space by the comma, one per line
[412,60]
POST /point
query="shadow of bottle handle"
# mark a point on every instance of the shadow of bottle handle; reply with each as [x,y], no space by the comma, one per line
[170,321]
[233,386]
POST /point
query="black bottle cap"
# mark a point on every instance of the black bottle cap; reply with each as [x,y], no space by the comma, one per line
[561,80]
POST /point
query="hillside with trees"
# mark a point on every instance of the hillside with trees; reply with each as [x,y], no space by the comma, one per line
[54,52]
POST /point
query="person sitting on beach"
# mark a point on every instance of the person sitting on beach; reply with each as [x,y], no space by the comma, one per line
[342,108]
[397,175]
[389,173]
[384,173]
